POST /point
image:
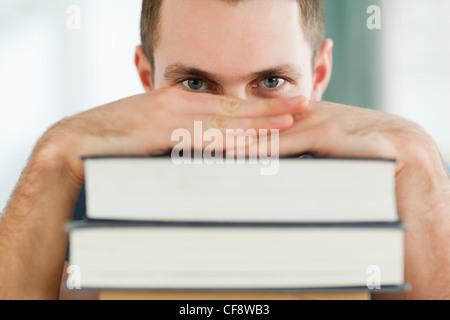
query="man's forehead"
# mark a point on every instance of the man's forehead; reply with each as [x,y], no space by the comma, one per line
[228,37]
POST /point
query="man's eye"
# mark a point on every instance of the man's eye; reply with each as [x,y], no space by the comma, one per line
[195,84]
[270,83]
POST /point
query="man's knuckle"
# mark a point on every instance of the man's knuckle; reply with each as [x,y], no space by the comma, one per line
[166,97]
[230,105]
[331,128]
[218,122]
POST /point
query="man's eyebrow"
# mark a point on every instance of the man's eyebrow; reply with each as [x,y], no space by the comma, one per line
[178,70]
[286,70]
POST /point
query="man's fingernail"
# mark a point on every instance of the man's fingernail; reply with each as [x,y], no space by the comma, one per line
[295,100]
[280,119]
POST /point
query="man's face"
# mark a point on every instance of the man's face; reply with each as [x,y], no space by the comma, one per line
[249,50]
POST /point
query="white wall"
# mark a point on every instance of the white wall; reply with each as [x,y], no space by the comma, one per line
[416,54]
[48,71]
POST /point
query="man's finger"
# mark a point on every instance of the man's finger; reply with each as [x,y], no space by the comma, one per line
[332,141]
[226,106]
[224,124]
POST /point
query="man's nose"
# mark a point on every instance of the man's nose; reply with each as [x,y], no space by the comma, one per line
[236,92]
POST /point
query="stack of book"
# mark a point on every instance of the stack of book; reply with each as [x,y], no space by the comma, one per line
[316,228]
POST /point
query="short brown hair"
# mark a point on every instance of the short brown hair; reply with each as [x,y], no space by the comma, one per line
[313,25]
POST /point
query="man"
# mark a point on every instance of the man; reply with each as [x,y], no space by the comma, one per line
[231,64]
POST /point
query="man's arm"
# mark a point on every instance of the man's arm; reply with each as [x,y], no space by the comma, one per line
[422,181]
[32,239]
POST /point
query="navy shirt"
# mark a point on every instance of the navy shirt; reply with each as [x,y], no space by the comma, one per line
[80,208]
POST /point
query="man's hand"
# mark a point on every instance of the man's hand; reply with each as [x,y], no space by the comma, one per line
[143,124]
[422,181]
[32,239]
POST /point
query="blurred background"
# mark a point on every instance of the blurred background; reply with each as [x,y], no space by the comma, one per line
[61,57]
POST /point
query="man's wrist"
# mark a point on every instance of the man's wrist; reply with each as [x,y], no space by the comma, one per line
[56,152]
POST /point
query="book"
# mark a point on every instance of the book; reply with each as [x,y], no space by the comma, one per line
[300,190]
[229,256]
[233,295]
